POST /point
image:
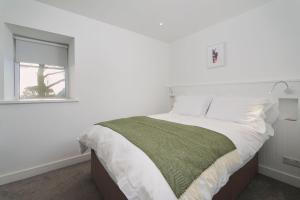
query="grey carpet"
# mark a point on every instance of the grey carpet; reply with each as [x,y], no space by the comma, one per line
[265,188]
[74,183]
[70,183]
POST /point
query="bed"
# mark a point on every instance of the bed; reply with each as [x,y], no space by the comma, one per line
[121,170]
[236,184]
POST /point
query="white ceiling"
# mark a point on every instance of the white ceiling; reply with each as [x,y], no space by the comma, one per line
[179,17]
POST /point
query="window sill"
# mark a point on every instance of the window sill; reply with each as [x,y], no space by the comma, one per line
[37,101]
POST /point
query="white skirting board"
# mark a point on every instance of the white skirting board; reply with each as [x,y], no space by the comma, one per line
[279,175]
[40,169]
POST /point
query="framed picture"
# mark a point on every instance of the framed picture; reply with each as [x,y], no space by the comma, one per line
[216,57]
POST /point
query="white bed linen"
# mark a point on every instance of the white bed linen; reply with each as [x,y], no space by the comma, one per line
[139,178]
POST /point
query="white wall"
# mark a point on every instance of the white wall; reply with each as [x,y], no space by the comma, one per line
[262,44]
[1,58]
[117,73]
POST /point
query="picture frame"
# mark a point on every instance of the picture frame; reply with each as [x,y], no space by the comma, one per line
[216,55]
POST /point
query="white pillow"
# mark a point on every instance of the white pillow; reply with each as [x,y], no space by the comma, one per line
[273,113]
[248,111]
[191,105]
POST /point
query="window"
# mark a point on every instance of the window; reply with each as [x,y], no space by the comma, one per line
[40,69]
[41,81]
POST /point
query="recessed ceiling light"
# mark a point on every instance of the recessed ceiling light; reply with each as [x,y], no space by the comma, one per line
[161,23]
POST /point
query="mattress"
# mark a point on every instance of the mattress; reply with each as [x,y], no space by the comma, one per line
[138,177]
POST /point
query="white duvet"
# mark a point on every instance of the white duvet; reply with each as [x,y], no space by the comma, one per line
[139,178]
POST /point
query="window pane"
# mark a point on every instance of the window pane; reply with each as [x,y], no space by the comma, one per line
[41,81]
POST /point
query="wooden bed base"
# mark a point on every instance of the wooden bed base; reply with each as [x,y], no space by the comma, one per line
[236,184]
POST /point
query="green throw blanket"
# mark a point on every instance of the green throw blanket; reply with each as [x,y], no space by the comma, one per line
[181,152]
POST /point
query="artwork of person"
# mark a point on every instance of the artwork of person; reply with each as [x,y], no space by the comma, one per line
[215,55]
